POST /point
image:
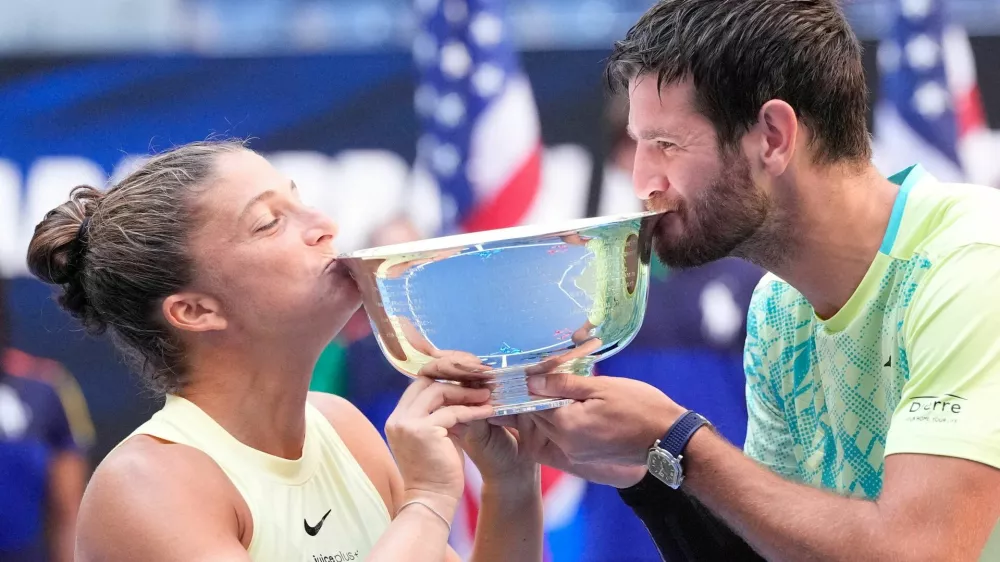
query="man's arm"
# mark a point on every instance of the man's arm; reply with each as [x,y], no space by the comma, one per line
[681,527]
[931,507]
[159,502]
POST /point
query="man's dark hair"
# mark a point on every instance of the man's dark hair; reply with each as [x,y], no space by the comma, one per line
[742,53]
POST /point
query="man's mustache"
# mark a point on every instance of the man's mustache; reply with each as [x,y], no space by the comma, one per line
[661,203]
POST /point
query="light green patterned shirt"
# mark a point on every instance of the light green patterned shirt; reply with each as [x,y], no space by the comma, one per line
[911,364]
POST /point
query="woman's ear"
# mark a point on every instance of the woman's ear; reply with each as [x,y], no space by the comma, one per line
[193,312]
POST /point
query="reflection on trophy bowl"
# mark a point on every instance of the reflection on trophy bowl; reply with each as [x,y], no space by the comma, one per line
[525,301]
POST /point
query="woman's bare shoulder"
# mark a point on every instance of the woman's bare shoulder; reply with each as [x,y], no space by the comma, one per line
[148,492]
[337,409]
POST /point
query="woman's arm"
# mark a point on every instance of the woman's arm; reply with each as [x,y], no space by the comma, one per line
[159,502]
[510,520]
[509,525]
[415,533]
[510,517]
[510,513]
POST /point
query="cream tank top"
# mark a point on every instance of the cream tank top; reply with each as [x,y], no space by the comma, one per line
[319,508]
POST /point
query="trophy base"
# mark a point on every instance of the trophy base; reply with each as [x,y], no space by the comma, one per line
[536,404]
[510,393]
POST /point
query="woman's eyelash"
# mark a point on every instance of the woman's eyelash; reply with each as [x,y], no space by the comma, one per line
[268,226]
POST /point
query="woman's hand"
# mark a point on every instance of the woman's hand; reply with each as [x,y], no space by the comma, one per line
[419,433]
[494,449]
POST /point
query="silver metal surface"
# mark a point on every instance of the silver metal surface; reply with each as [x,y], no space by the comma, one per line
[524,301]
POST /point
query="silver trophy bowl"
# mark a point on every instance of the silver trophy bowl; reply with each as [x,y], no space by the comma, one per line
[525,301]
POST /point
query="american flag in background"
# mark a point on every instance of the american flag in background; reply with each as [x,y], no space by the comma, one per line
[977,145]
[481,147]
[480,139]
[562,495]
[930,111]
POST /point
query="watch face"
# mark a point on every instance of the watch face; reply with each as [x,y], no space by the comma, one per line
[665,467]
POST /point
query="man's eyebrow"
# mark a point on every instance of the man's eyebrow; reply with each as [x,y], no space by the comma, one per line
[652,134]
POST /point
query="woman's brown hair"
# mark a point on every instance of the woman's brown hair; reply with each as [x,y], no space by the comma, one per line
[117,254]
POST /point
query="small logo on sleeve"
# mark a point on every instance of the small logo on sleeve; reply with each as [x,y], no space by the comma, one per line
[944,408]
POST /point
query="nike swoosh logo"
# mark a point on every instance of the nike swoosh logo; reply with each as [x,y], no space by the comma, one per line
[313,531]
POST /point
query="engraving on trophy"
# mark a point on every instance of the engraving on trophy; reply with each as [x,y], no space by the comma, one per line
[631,262]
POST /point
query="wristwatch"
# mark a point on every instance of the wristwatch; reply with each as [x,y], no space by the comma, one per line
[664,459]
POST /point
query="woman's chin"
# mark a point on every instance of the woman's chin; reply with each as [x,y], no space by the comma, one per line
[340,288]
[339,310]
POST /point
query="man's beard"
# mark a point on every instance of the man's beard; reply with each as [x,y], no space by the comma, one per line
[728,218]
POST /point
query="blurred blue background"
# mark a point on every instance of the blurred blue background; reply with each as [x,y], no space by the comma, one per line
[219,27]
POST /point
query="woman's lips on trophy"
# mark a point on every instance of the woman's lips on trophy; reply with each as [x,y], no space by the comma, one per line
[337,268]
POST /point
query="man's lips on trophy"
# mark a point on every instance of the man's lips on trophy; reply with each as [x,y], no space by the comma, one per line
[662,204]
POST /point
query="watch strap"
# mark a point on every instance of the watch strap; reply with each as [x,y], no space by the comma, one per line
[680,433]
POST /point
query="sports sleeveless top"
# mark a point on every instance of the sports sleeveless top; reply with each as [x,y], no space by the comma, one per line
[319,507]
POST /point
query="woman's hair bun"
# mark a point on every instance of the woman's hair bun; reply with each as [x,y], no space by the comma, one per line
[57,253]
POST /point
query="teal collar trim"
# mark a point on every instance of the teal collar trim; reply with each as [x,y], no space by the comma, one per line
[905,180]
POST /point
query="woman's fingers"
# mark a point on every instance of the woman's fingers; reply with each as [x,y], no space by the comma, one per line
[455,365]
[448,416]
[437,394]
[412,391]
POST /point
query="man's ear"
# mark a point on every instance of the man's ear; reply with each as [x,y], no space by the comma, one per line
[194,312]
[778,129]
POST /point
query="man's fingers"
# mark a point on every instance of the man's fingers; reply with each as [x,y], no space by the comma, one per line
[548,453]
[556,362]
[562,385]
[477,433]
[534,438]
[543,422]
[459,430]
